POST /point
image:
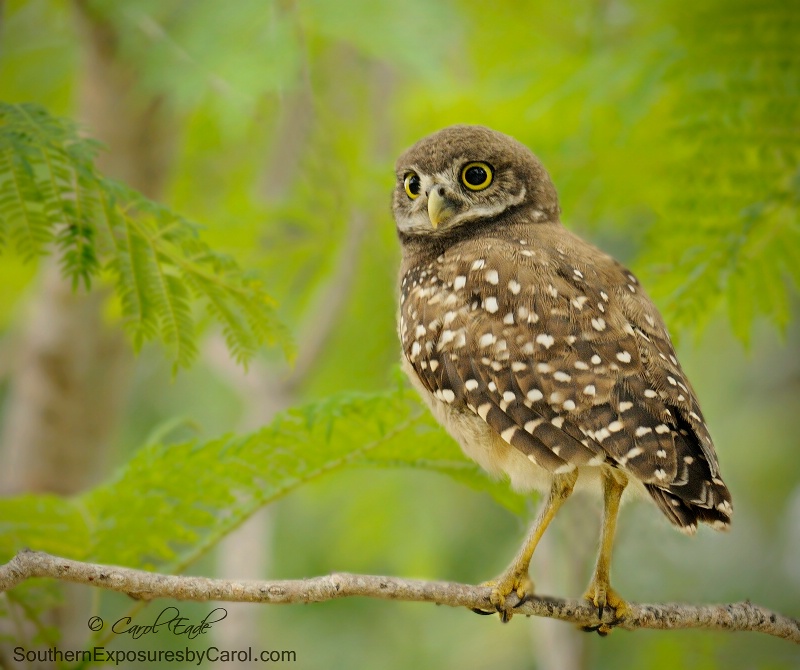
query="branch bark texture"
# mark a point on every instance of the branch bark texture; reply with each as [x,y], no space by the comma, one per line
[142,585]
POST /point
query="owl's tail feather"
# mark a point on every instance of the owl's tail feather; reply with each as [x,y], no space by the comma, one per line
[686,515]
[696,493]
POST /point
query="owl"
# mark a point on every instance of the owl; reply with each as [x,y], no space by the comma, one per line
[540,354]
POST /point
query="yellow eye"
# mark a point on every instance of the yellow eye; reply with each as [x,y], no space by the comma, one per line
[476,176]
[413,185]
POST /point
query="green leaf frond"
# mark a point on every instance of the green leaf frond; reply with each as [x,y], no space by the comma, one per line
[730,239]
[179,500]
[53,197]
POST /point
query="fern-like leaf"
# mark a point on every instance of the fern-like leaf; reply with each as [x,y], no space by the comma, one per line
[178,500]
[51,192]
[729,240]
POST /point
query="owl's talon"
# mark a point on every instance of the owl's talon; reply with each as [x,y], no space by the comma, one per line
[602,596]
[508,593]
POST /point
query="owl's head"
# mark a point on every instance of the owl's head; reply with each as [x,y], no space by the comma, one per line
[465,175]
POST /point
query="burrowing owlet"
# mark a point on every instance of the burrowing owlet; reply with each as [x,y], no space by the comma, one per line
[540,354]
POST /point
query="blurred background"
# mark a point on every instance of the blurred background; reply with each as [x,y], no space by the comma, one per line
[672,132]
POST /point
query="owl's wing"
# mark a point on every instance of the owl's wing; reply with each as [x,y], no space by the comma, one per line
[567,361]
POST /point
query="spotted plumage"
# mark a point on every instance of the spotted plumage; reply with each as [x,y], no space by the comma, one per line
[541,354]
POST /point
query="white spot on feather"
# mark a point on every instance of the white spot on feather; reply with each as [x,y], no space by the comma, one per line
[447,336]
[579,302]
[531,425]
[633,453]
[533,395]
[599,324]
[487,339]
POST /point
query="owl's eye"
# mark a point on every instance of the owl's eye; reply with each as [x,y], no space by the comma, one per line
[413,185]
[476,176]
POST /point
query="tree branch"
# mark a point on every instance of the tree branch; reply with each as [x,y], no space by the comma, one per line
[142,585]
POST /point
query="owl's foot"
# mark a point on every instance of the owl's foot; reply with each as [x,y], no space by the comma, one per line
[508,591]
[603,597]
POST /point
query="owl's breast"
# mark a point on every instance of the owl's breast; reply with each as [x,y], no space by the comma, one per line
[443,313]
[481,443]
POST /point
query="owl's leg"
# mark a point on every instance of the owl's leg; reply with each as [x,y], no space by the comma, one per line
[600,592]
[516,579]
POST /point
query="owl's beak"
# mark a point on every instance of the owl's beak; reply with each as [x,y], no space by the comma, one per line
[439,207]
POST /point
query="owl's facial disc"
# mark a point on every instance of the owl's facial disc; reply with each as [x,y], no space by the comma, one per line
[469,175]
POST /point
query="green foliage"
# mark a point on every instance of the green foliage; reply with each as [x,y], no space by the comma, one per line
[45,522]
[30,604]
[730,233]
[51,195]
[179,500]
